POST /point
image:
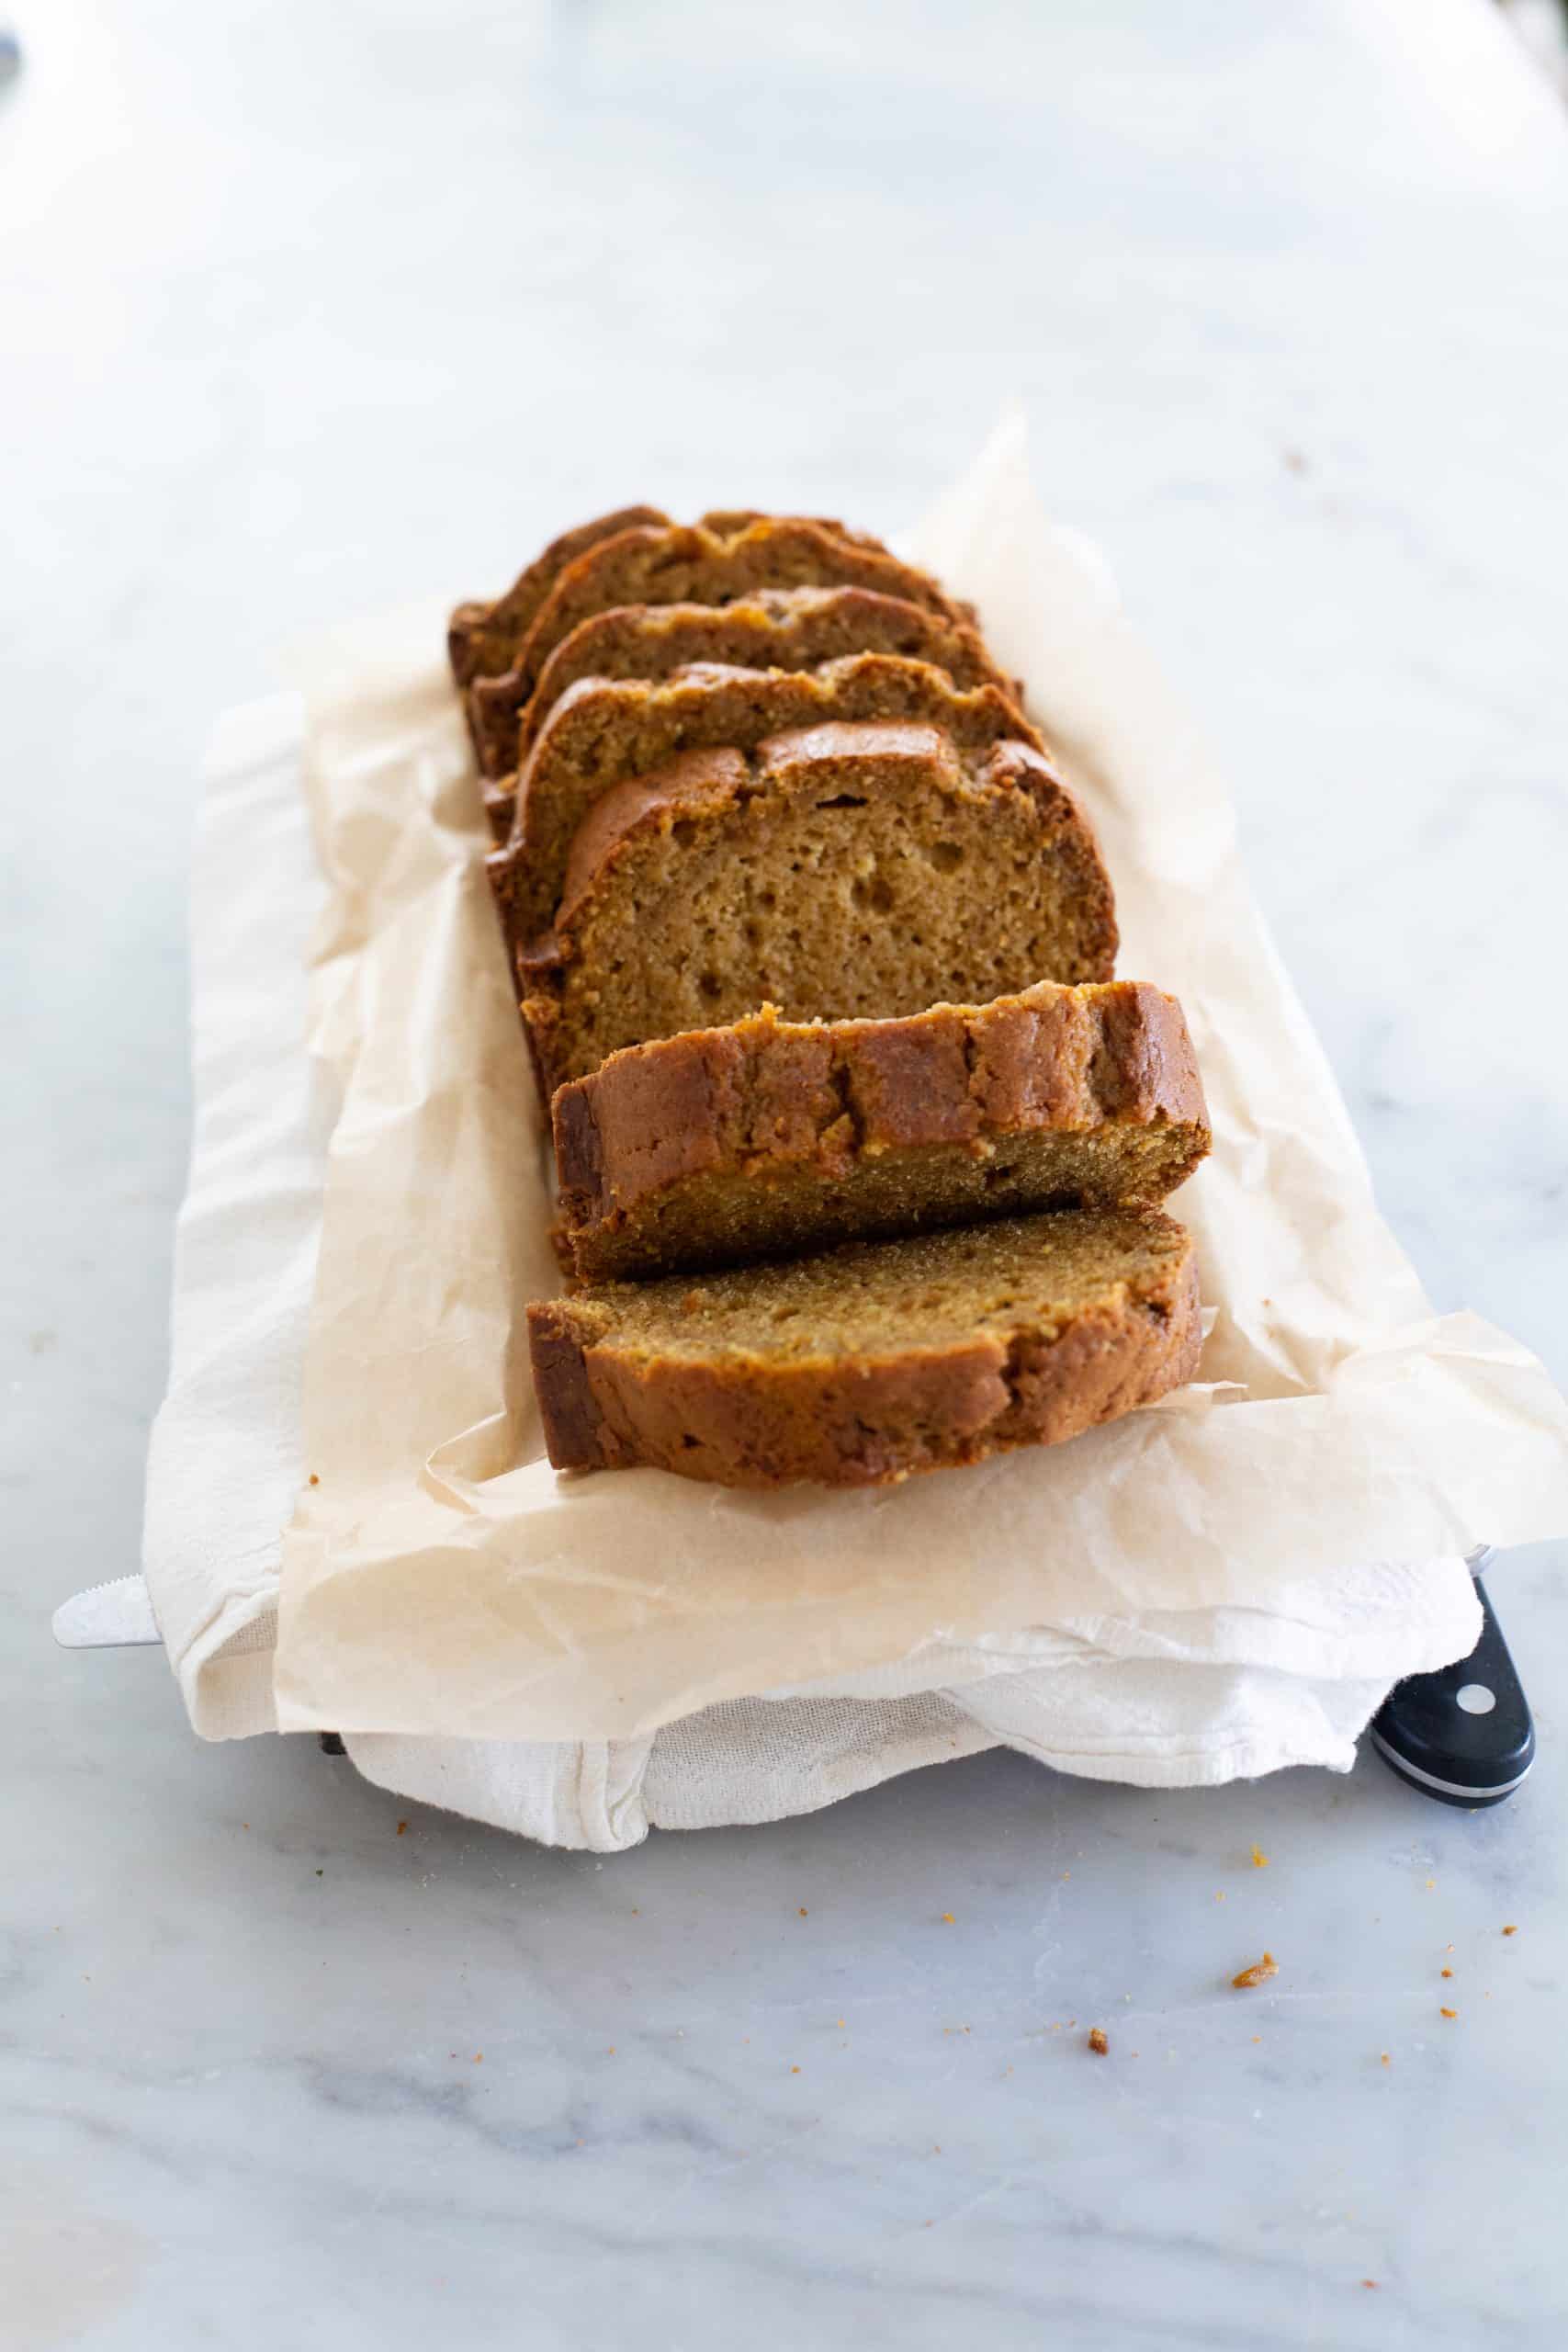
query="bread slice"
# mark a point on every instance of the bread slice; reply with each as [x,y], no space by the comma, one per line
[604,732]
[772,1136]
[839,872]
[701,565]
[776,628]
[875,1360]
[476,631]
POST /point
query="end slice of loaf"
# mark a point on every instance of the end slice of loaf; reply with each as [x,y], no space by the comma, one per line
[776,628]
[875,1360]
[771,1137]
[602,732]
[697,566]
[839,872]
[478,632]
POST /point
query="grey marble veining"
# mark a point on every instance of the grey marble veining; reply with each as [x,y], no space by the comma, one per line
[307,309]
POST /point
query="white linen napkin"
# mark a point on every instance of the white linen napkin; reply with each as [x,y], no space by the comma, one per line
[1174,1699]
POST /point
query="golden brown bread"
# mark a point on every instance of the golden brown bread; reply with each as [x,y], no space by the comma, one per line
[602,732]
[670,565]
[771,1137]
[839,872]
[774,629]
[476,631]
[875,1360]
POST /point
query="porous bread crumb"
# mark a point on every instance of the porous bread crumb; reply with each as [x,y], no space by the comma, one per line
[1097,2042]
[1259,1858]
[1511,1931]
[938,881]
[1448,2013]
[1259,1974]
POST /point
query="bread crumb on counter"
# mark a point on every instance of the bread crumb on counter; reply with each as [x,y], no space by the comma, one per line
[1259,1974]
[1097,2042]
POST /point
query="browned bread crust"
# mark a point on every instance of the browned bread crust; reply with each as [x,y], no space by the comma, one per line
[773,1136]
[776,629]
[603,731]
[840,872]
[875,1359]
[695,566]
[476,629]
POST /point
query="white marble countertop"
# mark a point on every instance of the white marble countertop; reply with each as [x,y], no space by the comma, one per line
[306,308]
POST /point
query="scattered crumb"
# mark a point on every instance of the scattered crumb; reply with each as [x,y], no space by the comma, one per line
[1257,2037]
[314,1480]
[1220,1896]
[794,2070]
[1511,1931]
[1259,1974]
[1430,1884]
[1066,1873]
[1385,2060]
[479,2057]
[948,1920]
[1097,2041]
[1448,2013]
[1259,1858]
[1294,463]
[403,1828]
[803,1912]
[611,2052]
[1445,1971]
[1369,2283]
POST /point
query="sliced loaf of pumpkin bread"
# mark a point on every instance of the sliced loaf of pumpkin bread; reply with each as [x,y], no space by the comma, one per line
[774,629]
[839,872]
[602,732]
[875,1360]
[770,1138]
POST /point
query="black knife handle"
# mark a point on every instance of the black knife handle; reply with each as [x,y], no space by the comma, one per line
[1462,1735]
